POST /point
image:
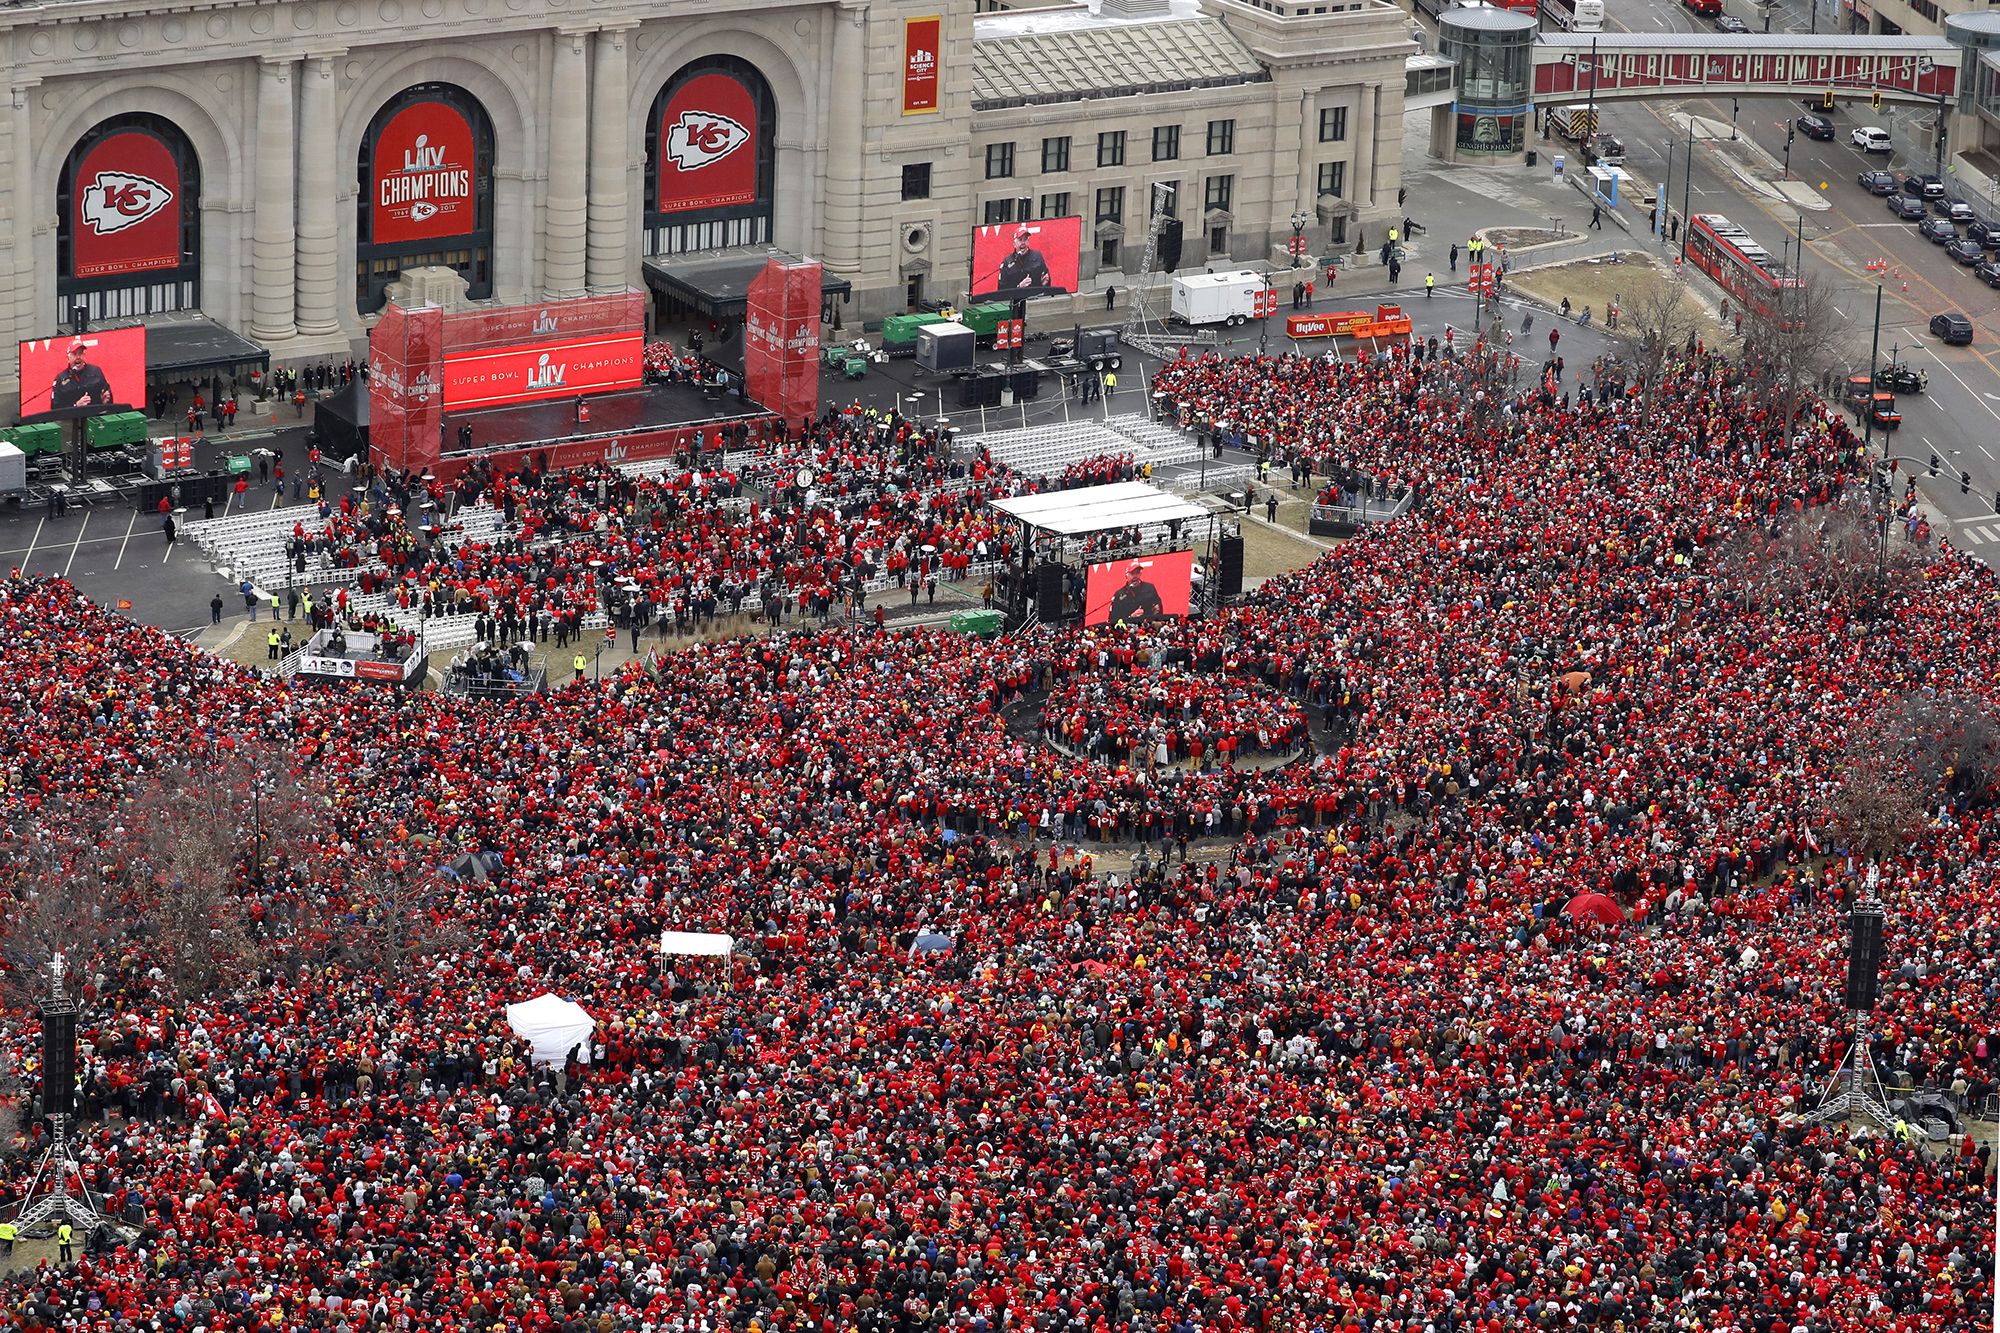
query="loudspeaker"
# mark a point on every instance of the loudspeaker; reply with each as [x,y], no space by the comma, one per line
[1168,257]
[1049,591]
[1231,551]
[1864,955]
[59,1062]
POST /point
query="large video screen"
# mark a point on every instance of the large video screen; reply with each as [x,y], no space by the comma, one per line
[65,378]
[1018,260]
[1152,587]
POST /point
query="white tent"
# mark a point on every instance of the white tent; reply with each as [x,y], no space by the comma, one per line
[699,944]
[552,1025]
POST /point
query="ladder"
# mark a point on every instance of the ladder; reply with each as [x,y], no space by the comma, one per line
[1142,331]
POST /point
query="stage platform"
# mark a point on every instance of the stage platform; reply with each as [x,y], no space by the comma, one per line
[652,407]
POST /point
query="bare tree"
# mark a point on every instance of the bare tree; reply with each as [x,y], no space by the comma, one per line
[1791,342]
[1662,318]
[1831,555]
[1876,804]
[1950,739]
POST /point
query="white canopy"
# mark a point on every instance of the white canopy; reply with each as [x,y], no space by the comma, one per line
[552,1025]
[1118,504]
[700,944]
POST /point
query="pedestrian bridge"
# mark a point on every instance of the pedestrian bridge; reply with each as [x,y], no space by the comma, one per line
[1616,66]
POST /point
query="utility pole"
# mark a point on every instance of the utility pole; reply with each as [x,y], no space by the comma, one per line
[1687,189]
[1874,354]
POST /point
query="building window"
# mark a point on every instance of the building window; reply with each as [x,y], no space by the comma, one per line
[1107,254]
[1332,124]
[1055,154]
[1111,148]
[1218,240]
[1111,204]
[999,160]
[1166,142]
[1333,178]
[1221,193]
[998,211]
[916,180]
[1336,232]
[1055,205]
[1221,137]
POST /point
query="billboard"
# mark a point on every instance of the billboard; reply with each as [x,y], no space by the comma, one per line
[125,207]
[1018,260]
[781,339]
[98,372]
[921,39]
[1152,587]
[526,372]
[708,145]
[423,166]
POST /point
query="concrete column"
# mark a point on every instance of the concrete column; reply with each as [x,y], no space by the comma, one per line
[26,319]
[1308,183]
[273,238]
[319,231]
[840,193]
[610,165]
[1364,147]
[569,160]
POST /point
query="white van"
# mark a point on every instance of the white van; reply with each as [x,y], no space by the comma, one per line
[1870,138]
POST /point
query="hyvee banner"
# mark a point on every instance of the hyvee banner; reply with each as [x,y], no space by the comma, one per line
[126,208]
[921,39]
[542,370]
[423,176]
[708,145]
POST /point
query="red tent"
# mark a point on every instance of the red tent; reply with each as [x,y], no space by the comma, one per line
[1594,907]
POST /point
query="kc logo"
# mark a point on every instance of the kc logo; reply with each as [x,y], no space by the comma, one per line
[423,211]
[116,200]
[700,138]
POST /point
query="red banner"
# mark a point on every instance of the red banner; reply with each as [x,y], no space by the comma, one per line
[125,207]
[405,387]
[781,339]
[708,145]
[921,39]
[542,370]
[423,176]
[574,320]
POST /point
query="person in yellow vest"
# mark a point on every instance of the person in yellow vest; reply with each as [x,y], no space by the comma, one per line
[578,663]
[7,1235]
[271,651]
[64,1235]
[1430,285]
[1110,383]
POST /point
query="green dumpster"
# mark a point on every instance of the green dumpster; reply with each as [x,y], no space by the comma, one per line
[239,465]
[983,319]
[983,623]
[42,437]
[116,430]
[899,332]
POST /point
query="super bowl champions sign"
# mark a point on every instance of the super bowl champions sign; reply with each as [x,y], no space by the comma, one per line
[422,189]
[708,145]
[126,207]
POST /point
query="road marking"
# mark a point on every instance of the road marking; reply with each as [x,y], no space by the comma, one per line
[78,542]
[121,545]
[31,544]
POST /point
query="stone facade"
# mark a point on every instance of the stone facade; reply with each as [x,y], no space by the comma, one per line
[275,99]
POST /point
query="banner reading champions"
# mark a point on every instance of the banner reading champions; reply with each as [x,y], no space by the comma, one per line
[423,176]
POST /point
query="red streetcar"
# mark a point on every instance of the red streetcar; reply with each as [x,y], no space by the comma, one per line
[1751,275]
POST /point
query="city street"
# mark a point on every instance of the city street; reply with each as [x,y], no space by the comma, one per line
[1959,417]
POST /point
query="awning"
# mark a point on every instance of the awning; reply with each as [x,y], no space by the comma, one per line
[182,346]
[1123,504]
[717,282]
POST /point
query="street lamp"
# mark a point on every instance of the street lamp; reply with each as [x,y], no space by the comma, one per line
[1264,323]
[1300,220]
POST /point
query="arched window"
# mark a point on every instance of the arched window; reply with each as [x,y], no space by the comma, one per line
[711,158]
[424,195]
[128,235]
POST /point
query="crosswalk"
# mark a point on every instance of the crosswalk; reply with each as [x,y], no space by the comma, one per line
[1978,534]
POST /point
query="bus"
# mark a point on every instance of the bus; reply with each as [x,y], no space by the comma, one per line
[1752,275]
[1574,15]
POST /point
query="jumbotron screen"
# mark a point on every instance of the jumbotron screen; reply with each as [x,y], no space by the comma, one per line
[84,375]
[1151,587]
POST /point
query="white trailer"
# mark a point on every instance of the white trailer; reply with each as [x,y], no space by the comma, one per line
[1216,298]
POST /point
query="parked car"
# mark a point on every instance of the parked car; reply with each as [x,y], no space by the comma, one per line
[1815,127]
[1905,207]
[1964,251]
[1869,138]
[1923,185]
[1955,210]
[1953,328]
[1987,272]
[1985,235]
[1899,378]
[1730,24]
[1876,182]
[1936,230]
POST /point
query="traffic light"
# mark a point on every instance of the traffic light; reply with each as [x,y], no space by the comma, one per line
[1965,483]
[1934,465]
[1875,99]
[1828,103]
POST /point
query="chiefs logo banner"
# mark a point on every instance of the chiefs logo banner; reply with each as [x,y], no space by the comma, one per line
[423,176]
[708,145]
[126,208]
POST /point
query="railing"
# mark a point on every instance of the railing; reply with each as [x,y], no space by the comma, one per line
[1368,511]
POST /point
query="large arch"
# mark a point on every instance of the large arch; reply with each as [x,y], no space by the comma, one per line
[505,92]
[722,202]
[424,191]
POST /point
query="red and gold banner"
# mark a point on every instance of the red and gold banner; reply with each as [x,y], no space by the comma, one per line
[921,40]
[126,207]
[423,176]
[781,339]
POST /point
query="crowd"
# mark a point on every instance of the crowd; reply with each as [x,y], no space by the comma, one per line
[1334,1059]
[1153,718]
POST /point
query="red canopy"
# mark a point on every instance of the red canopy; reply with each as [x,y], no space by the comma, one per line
[1595,907]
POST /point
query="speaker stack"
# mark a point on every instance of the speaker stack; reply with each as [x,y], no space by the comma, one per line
[1230,551]
[58,1058]
[1049,591]
[1864,956]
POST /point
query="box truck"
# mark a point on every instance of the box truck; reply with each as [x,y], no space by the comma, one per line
[1216,298]
[1575,123]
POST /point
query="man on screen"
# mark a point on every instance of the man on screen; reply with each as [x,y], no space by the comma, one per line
[79,384]
[1024,272]
[1136,600]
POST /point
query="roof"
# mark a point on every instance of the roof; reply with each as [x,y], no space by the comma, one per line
[717,282]
[1235,277]
[190,343]
[1121,504]
[1074,55]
